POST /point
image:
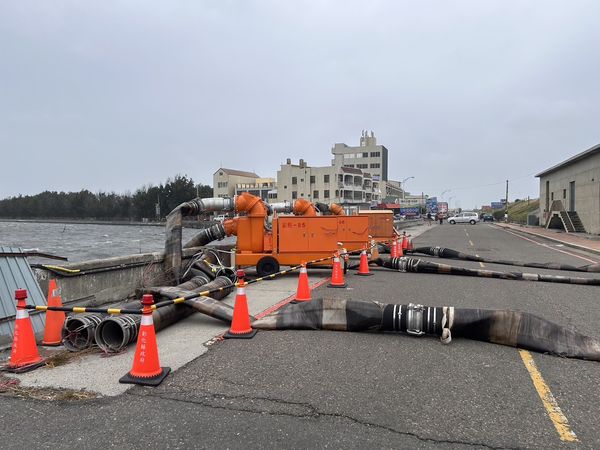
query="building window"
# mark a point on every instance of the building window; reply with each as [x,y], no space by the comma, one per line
[337,193]
[552,196]
[315,194]
[326,193]
[564,193]
[375,154]
[326,178]
[312,179]
[301,180]
[222,184]
[375,165]
[365,154]
[294,180]
[285,187]
[349,165]
[362,166]
[294,195]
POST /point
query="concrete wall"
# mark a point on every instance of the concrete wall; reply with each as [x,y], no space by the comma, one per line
[109,280]
[586,175]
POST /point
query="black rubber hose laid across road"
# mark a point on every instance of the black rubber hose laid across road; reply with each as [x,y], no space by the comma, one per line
[448,253]
[417,265]
[505,327]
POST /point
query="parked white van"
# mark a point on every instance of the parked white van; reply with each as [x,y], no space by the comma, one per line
[464,217]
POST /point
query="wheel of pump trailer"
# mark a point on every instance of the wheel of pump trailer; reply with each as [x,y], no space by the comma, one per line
[453,222]
[267,266]
[472,222]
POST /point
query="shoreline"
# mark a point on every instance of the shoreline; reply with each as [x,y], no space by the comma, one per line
[188,224]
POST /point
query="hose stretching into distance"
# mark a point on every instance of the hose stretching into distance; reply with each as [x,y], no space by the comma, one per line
[448,253]
[417,265]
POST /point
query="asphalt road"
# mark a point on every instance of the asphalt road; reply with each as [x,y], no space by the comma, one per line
[299,389]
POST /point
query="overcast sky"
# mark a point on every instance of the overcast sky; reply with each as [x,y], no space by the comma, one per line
[113,95]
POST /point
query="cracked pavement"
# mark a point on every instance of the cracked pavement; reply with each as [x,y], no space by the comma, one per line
[324,389]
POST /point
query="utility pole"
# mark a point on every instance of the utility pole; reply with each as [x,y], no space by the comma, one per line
[506,207]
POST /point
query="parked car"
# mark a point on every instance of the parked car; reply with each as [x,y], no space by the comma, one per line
[464,217]
[487,218]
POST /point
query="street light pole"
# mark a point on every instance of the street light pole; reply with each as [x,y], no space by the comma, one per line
[404,188]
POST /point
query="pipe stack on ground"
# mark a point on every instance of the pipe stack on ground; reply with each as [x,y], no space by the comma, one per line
[115,333]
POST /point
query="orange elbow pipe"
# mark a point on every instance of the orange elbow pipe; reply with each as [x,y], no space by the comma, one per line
[303,207]
[336,209]
[250,204]
[230,226]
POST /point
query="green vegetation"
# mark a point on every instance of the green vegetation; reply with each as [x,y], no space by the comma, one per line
[518,210]
[102,205]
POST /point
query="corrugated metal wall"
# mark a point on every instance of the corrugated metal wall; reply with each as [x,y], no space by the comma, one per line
[15,273]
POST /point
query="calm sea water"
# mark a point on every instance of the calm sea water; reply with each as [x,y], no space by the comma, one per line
[80,242]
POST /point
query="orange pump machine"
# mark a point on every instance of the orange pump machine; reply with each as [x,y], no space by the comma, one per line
[291,239]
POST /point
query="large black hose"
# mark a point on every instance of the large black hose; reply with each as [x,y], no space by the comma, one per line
[442,252]
[417,265]
[512,328]
[173,247]
[207,235]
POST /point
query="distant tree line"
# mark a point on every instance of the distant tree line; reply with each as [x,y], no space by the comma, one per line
[105,206]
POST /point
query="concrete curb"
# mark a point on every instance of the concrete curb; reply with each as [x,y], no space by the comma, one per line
[543,236]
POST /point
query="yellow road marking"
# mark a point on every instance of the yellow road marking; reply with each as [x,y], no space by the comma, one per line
[554,412]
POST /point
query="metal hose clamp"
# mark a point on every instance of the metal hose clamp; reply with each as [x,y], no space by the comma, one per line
[414,319]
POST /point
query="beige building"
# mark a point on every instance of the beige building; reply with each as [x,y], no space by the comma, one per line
[264,188]
[570,193]
[368,156]
[347,186]
[225,181]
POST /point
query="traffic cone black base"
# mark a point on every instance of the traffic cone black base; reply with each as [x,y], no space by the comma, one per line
[249,335]
[143,381]
[365,274]
[337,285]
[23,369]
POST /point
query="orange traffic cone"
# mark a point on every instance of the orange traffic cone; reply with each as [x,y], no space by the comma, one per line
[240,325]
[394,248]
[404,241]
[24,355]
[337,275]
[410,245]
[363,268]
[303,291]
[146,368]
[54,319]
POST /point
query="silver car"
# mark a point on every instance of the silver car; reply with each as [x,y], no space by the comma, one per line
[464,217]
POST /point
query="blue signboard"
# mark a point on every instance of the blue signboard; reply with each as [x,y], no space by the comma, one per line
[497,205]
[431,205]
[410,211]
